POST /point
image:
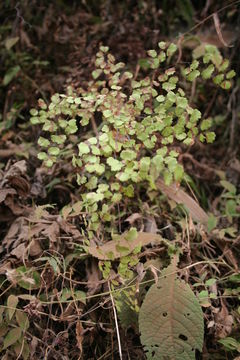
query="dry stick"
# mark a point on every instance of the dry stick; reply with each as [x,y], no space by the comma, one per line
[218,30]
[116,322]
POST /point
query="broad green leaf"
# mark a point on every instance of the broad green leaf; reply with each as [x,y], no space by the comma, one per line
[28,278]
[12,302]
[212,222]
[210,282]
[11,74]
[228,186]
[231,207]
[230,344]
[10,42]
[22,320]
[178,173]
[12,337]
[171,319]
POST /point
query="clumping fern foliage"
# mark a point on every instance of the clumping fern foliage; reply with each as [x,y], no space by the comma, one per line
[142,121]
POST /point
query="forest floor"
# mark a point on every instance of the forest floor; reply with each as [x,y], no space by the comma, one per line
[46,47]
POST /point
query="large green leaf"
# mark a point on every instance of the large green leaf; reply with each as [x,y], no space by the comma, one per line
[171,320]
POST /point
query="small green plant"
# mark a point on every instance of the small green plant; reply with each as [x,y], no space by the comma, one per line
[141,122]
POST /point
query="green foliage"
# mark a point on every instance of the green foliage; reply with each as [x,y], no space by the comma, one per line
[13,325]
[142,120]
[228,208]
[230,344]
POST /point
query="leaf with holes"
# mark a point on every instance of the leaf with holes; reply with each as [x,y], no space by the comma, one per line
[171,320]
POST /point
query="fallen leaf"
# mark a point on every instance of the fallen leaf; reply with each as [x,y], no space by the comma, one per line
[224,322]
[94,277]
[5,192]
[19,251]
[52,232]
[79,335]
[132,218]
[35,248]
[181,197]
[150,225]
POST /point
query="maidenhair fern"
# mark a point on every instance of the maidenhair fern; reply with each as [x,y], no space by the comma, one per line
[141,122]
[137,125]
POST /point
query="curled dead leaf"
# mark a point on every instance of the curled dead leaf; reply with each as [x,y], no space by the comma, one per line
[181,197]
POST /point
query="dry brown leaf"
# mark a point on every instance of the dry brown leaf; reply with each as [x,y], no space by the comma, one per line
[5,192]
[150,225]
[14,206]
[52,232]
[69,229]
[17,169]
[224,322]
[120,247]
[35,248]
[4,267]
[94,277]
[79,335]
[19,251]
[132,218]
[181,197]
[21,185]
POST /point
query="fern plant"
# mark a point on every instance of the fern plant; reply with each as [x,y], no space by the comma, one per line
[137,126]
